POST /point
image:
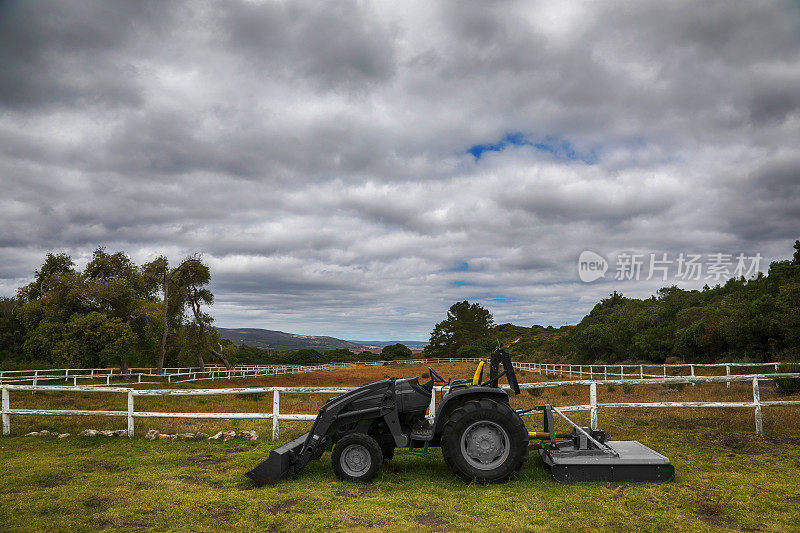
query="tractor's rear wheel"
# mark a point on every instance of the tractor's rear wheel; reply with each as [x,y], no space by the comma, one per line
[356,457]
[485,441]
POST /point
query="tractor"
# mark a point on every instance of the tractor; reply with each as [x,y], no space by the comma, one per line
[482,438]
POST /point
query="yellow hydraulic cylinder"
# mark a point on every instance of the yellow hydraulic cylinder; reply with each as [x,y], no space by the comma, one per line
[476,379]
[541,435]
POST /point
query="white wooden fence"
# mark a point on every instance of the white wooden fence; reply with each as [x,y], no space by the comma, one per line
[186,374]
[131,414]
[633,371]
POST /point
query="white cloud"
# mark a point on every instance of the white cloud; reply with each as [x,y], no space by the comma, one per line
[316,154]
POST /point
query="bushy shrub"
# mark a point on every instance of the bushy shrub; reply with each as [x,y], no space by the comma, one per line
[788,385]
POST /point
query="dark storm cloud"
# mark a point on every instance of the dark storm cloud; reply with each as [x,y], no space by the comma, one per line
[338,44]
[318,154]
[74,52]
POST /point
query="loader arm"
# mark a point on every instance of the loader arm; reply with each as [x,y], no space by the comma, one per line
[374,400]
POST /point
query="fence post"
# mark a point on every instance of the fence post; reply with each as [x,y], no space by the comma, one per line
[6,406]
[276,400]
[757,401]
[641,371]
[130,413]
[590,371]
[692,369]
[605,371]
[728,373]
[621,373]
[593,404]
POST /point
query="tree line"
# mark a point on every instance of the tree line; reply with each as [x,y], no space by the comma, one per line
[112,313]
[755,319]
[117,313]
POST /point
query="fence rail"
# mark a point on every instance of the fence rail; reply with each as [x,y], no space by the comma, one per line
[186,374]
[593,406]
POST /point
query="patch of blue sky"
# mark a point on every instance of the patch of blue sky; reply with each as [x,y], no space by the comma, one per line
[492,297]
[460,283]
[463,266]
[556,147]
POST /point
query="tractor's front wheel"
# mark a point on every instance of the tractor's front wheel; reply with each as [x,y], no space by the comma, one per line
[356,457]
[485,441]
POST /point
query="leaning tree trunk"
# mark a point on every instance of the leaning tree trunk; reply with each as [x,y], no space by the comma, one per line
[162,348]
[219,355]
[200,362]
[123,366]
[201,328]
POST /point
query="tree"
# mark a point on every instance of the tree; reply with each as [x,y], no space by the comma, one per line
[465,324]
[95,340]
[12,331]
[193,278]
[174,292]
[110,312]
[395,351]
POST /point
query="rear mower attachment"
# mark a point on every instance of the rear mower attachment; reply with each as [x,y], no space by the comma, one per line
[589,455]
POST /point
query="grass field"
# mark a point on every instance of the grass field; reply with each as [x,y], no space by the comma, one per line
[727,477]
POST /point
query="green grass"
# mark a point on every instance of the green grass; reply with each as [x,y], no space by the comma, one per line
[728,479]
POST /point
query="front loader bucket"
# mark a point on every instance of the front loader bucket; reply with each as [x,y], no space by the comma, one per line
[279,463]
[635,463]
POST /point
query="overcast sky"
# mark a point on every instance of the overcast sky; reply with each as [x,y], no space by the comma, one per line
[354,168]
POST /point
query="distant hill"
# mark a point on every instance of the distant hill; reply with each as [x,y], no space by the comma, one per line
[377,346]
[279,340]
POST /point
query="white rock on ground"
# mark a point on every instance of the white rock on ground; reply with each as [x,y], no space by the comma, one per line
[63,435]
[121,433]
[32,434]
[107,433]
[89,433]
[153,434]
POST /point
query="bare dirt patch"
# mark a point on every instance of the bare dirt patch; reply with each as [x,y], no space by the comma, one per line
[204,459]
[364,490]
[108,466]
[431,521]
[711,519]
[361,521]
[135,526]
[285,506]
[236,450]
[54,480]
[97,502]
[223,514]
[740,443]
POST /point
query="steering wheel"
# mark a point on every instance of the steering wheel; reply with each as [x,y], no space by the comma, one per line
[436,377]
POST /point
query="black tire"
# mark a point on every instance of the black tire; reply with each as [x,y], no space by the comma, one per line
[485,441]
[386,442]
[356,457]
